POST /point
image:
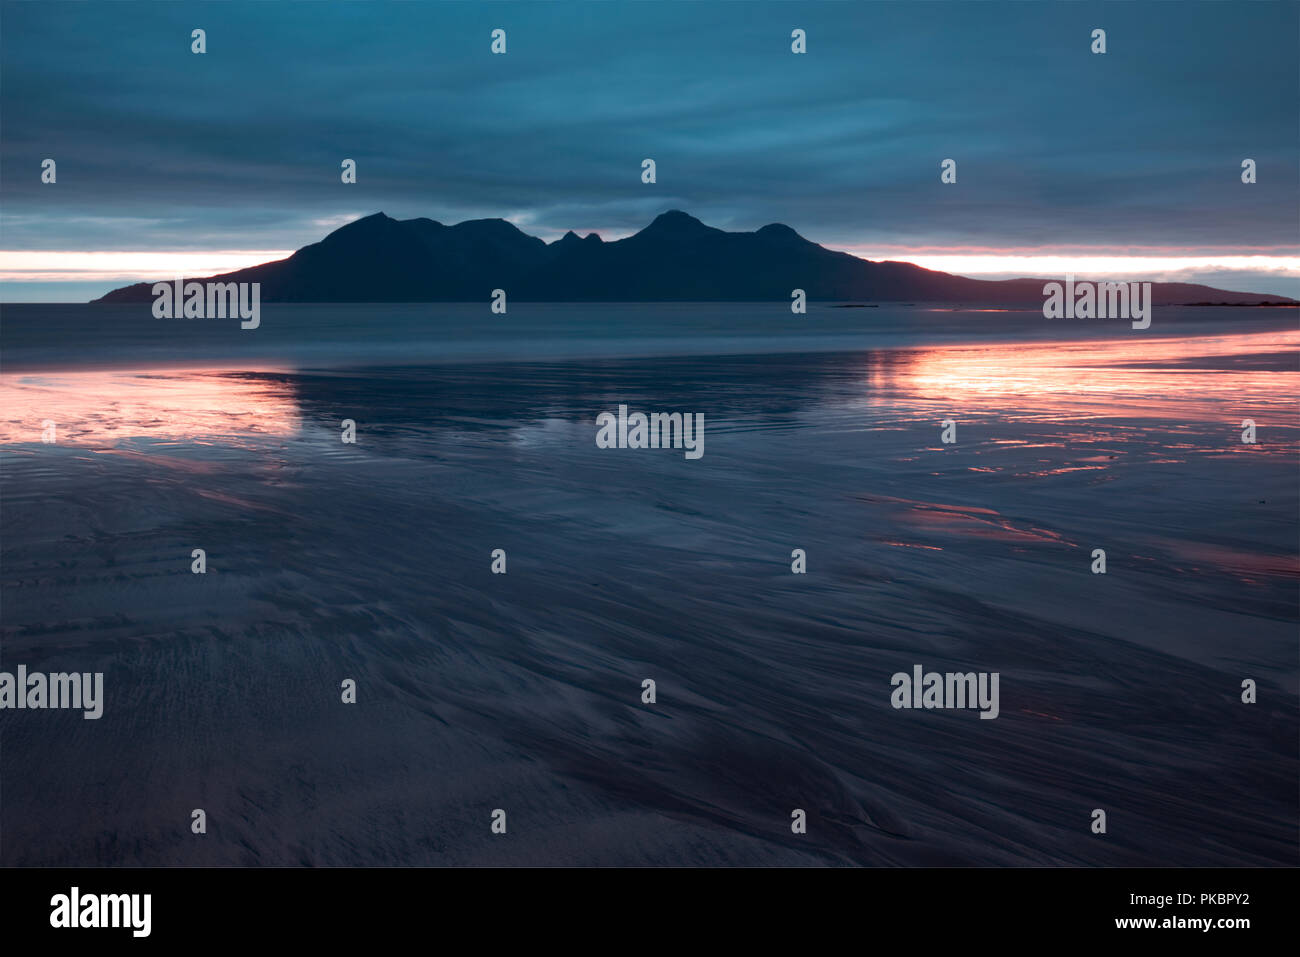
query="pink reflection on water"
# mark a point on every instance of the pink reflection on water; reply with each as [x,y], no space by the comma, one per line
[102,409]
[962,520]
[1141,376]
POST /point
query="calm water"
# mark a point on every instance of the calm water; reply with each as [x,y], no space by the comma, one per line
[522,691]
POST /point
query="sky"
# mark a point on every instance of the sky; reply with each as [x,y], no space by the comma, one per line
[1124,164]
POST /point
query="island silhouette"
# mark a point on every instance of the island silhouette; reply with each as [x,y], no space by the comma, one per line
[676,258]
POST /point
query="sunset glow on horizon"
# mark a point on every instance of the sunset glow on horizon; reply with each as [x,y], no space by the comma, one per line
[123,266]
[127,266]
[1022,263]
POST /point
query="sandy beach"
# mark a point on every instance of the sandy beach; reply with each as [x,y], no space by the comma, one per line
[371,561]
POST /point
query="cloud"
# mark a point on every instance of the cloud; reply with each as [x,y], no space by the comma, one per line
[240,148]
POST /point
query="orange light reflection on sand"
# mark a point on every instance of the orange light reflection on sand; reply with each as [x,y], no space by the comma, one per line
[1149,377]
[101,409]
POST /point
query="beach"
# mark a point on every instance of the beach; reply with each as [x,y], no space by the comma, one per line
[372,561]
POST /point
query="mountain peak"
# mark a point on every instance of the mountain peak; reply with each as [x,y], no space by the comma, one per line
[676,216]
[373,218]
[496,233]
[365,226]
[676,223]
[572,239]
[779,231]
[495,225]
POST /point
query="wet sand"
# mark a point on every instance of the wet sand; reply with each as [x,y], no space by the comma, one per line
[522,691]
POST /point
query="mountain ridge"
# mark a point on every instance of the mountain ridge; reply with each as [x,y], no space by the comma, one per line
[676,258]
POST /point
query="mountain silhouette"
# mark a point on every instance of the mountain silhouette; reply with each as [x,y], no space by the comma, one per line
[675,258]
